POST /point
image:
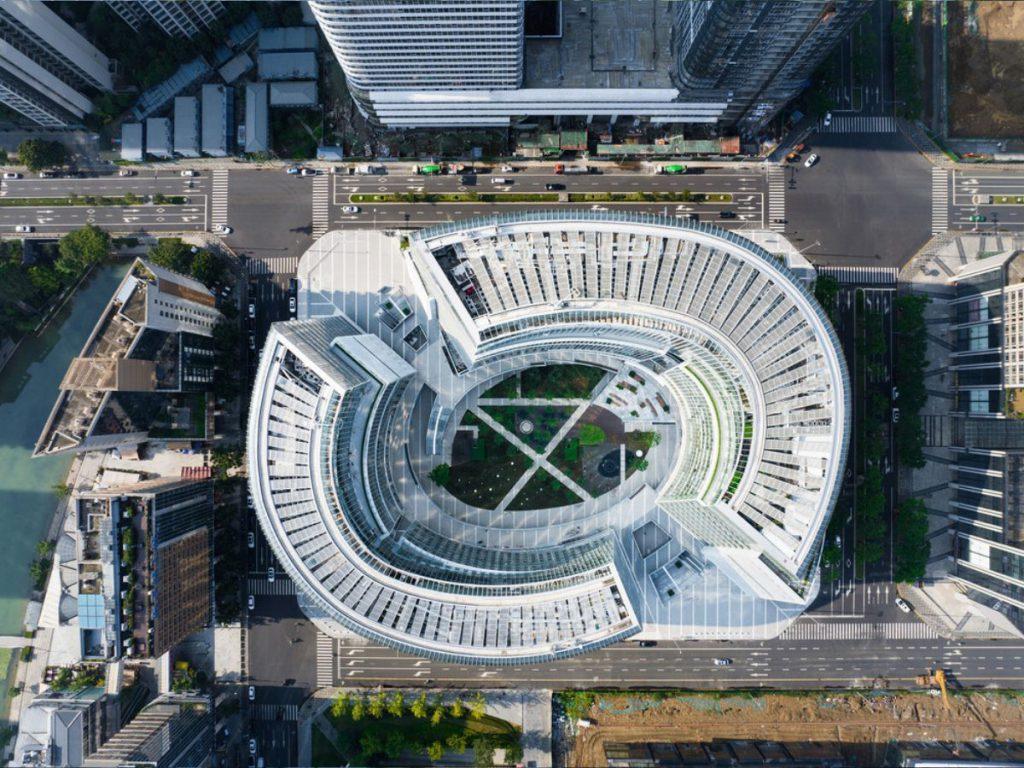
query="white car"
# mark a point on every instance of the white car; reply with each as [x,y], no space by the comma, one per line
[828,119]
[293,171]
[189,173]
[307,172]
[903,605]
[252,310]
[252,746]
[810,161]
[270,574]
[292,306]
[350,209]
[507,169]
[723,662]
[252,540]
[24,228]
[252,602]
[223,229]
[12,175]
[252,693]
[126,172]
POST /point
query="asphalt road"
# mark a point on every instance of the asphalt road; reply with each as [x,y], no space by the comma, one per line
[974,191]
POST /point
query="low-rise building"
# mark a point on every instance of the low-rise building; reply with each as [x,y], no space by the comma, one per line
[186,126]
[63,729]
[217,120]
[158,137]
[289,39]
[257,118]
[287,65]
[131,142]
[293,93]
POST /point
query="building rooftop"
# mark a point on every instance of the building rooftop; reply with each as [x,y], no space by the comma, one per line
[289,39]
[291,65]
[293,93]
[131,142]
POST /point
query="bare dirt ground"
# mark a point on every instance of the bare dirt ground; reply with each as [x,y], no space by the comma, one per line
[862,725]
[986,69]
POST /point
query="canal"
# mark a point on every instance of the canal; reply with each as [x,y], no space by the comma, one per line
[28,388]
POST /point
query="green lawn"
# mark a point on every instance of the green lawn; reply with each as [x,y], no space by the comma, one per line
[550,381]
[543,491]
[546,421]
[505,388]
[493,468]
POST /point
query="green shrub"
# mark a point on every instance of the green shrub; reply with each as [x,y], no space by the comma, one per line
[591,434]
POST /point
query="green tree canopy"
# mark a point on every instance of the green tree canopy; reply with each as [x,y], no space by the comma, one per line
[37,154]
[911,547]
[82,248]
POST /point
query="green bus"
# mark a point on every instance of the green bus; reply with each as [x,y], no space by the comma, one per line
[676,168]
[428,170]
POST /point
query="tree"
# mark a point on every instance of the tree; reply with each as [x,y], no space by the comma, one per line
[358,709]
[477,706]
[911,547]
[224,458]
[44,278]
[371,743]
[483,753]
[435,751]
[341,704]
[207,268]
[458,709]
[171,253]
[82,248]
[37,154]
[419,707]
[377,704]
[826,291]
[441,474]
[396,704]
[437,715]
[394,745]
[62,490]
[457,742]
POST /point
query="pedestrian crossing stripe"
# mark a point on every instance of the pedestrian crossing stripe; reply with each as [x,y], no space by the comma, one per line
[858,124]
[219,198]
[940,200]
[321,205]
[868,275]
[273,711]
[776,197]
[279,586]
[835,630]
[324,660]
[274,265]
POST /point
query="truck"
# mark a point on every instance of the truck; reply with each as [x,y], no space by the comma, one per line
[428,170]
[369,170]
[561,168]
[674,168]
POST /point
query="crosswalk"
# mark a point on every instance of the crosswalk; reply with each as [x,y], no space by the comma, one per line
[321,205]
[859,124]
[858,630]
[861,275]
[940,200]
[219,199]
[274,711]
[324,660]
[776,197]
[274,265]
[279,586]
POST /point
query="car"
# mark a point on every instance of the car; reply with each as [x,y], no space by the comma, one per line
[293,171]
[223,229]
[554,187]
[895,393]
[252,746]
[903,605]
[800,147]
[810,161]
[350,209]
[270,574]
[793,157]
[292,306]
[838,540]
[188,173]
[12,175]
[47,174]
[126,172]
[251,540]
[596,207]
[727,214]
[895,415]
[252,341]
[693,217]
[722,662]
[978,217]
[225,291]
[828,119]
[648,643]
[307,172]
[507,169]
[24,228]
[500,180]
[252,693]
[252,602]
[252,310]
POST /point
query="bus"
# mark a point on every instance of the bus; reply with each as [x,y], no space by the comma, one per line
[675,168]
[428,170]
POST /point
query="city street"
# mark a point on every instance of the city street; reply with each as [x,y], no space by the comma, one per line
[976,192]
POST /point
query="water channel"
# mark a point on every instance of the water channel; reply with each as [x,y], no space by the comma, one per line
[28,387]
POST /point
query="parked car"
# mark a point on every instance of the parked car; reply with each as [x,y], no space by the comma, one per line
[252,602]
[223,229]
[189,173]
[307,172]
[828,119]
[895,415]
[126,172]
[810,161]
[554,187]
[270,574]
[903,605]
[507,169]
[24,228]
[252,341]
[293,171]
[252,746]
[350,209]
[723,662]
[648,643]
[252,540]
[12,175]
[292,305]
[252,693]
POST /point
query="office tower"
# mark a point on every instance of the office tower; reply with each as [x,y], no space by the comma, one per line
[145,554]
[173,731]
[47,69]
[485,62]
[174,17]
[757,54]
[144,370]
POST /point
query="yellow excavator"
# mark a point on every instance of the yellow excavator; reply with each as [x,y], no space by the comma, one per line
[936,677]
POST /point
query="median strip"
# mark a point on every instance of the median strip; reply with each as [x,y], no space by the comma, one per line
[684,196]
[90,201]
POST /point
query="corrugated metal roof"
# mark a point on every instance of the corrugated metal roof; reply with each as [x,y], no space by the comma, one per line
[257,118]
[294,93]
[289,39]
[293,65]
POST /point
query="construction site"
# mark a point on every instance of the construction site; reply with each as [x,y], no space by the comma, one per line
[986,69]
[865,728]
